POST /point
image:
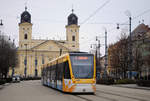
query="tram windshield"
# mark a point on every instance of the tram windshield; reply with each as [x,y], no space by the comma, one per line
[82,66]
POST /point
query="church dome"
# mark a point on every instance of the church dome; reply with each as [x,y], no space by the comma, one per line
[25,16]
[72,19]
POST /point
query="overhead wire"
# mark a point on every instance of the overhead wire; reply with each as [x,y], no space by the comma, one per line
[97,10]
[139,15]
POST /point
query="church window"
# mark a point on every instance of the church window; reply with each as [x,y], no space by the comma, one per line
[42,60]
[73,45]
[75,30]
[73,38]
[27,28]
[23,28]
[25,36]
[73,33]
[50,47]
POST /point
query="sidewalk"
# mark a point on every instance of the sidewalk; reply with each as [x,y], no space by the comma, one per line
[3,85]
[133,86]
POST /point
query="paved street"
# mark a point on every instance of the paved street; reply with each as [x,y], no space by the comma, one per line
[34,91]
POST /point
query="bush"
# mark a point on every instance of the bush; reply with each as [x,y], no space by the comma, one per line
[2,81]
[31,78]
[8,80]
[106,81]
[143,83]
[125,81]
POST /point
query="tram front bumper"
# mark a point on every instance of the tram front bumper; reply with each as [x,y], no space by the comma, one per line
[85,88]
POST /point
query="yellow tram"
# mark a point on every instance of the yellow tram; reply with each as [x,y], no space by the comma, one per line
[72,72]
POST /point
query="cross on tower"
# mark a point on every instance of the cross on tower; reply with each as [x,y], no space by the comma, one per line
[72,10]
[1,23]
[25,8]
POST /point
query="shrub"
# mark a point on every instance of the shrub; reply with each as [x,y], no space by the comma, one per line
[8,80]
[143,83]
[125,81]
[2,81]
[31,78]
[107,81]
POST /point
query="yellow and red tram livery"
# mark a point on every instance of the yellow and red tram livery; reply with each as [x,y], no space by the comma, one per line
[72,72]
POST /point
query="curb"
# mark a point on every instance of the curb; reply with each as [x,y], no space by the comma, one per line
[142,88]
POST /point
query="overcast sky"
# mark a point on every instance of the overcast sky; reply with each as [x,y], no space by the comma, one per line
[49,18]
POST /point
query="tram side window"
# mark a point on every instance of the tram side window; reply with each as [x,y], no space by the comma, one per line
[66,71]
[50,73]
[46,73]
[53,72]
[60,71]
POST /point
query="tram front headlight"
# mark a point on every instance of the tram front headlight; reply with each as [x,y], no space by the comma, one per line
[74,81]
[93,81]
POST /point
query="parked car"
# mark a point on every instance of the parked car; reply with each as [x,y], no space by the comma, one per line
[16,78]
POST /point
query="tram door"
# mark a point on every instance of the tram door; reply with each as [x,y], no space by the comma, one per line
[56,77]
[66,71]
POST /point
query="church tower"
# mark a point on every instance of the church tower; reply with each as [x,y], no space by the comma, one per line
[72,32]
[25,30]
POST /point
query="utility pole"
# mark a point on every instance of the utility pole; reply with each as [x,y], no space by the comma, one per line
[129,45]
[98,58]
[1,27]
[105,71]
[36,71]
[60,52]
[25,62]
[13,70]
[130,50]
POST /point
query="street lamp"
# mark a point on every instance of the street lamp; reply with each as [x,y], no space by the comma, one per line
[106,54]
[25,62]
[130,44]
[98,59]
[60,52]
[13,70]
[36,71]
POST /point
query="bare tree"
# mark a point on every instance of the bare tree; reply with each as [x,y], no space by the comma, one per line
[119,56]
[8,56]
[137,60]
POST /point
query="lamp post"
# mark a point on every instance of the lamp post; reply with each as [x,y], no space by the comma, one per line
[36,71]
[129,45]
[105,72]
[98,59]
[60,52]
[130,49]
[25,62]
[13,70]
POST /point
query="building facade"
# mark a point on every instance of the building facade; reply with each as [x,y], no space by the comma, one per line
[33,53]
[118,55]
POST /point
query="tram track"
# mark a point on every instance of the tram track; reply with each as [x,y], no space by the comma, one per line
[97,95]
[93,97]
[86,99]
[107,98]
[125,96]
[137,94]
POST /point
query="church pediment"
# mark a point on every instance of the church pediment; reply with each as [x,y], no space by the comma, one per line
[50,45]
